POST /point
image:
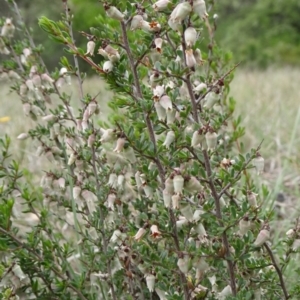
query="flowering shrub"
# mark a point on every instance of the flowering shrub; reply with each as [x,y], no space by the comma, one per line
[159,202]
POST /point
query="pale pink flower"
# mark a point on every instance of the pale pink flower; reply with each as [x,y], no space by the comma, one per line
[141,232]
[120,144]
[155,233]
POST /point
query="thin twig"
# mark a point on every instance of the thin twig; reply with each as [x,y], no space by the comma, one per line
[152,137]
[68,19]
[219,216]
[113,293]
[217,82]
[140,96]
[228,185]
[286,295]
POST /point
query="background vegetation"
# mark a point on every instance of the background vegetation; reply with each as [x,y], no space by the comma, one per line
[258,32]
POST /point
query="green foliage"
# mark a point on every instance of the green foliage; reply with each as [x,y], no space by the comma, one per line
[159,203]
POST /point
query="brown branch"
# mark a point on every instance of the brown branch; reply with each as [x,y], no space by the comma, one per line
[140,96]
[286,295]
[216,83]
[68,19]
[228,185]
[219,216]
[152,137]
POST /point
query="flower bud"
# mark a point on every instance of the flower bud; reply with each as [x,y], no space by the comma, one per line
[199,8]
[37,81]
[46,78]
[29,84]
[120,144]
[181,222]
[76,192]
[211,99]
[91,140]
[117,237]
[61,183]
[244,226]
[193,185]
[90,48]
[158,44]
[72,159]
[259,163]
[111,198]
[22,136]
[178,182]
[201,264]
[183,264]
[171,116]
[169,139]
[150,281]
[169,185]
[112,54]
[154,26]
[148,191]
[187,212]
[90,198]
[114,13]
[107,135]
[158,91]
[291,233]
[155,233]
[113,180]
[227,291]
[197,138]
[190,58]
[154,79]
[160,111]
[211,140]
[108,66]
[165,102]
[190,36]
[200,230]
[161,5]
[198,57]
[141,232]
[175,201]
[49,118]
[8,28]
[18,272]
[167,197]
[63,71]
[120,181]
[181,11]
[199,88]
[176,27]
[197,215]
[37,111]
[262,237]
[136,22]
[252,199]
